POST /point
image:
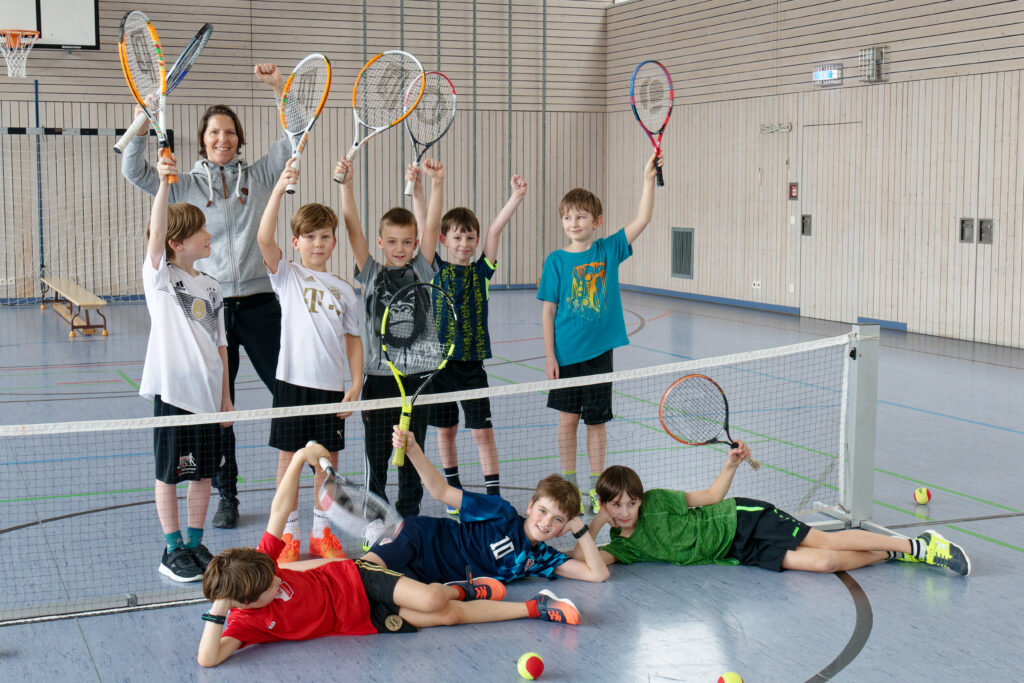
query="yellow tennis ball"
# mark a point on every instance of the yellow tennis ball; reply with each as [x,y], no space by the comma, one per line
[531,666]
[730,677]
[922,495]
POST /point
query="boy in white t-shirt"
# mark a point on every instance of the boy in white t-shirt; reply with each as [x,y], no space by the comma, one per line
[185,372]
[319,331]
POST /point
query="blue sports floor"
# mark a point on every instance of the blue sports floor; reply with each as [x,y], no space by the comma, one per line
[950,416]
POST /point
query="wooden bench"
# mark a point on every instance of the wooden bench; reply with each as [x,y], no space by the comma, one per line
[70,302]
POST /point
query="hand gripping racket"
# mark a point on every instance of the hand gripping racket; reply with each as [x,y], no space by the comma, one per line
[142,61]
[650,94]
[417,334]
[379,96]
[305,94]
[175,76]
[432,118]
[694,411]
[355,510]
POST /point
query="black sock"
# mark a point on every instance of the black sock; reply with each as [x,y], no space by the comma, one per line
[451,475]
[492,484]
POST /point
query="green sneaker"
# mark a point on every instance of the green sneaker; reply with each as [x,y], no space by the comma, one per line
[595,502]
[906,557]
[944,553]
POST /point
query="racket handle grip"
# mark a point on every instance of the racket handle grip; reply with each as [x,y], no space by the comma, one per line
[165,153]
[409,185]
[137,125]
[659,179]
[340,177]
[326,465]
[753,463]
[290,189]
[403,424]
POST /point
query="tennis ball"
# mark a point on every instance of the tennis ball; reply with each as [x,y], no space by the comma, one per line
[922,495]
[730,677]
[531,666]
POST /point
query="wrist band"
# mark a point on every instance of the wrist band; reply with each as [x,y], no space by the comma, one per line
[579,534]
[215,618]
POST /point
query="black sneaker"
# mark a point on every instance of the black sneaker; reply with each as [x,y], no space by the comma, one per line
[202,555]
[179,565]
[227,514]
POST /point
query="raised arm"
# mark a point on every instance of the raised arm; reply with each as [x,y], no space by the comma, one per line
[586,563]
[720,486]
[414,174]
[428,233]
[646,207]
[266,237]
[433,480]
[269,74]
[134,167]
[158,214]
[493,238]
[288,489]
[350,214]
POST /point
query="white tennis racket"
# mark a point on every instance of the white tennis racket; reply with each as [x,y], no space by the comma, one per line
[305,94]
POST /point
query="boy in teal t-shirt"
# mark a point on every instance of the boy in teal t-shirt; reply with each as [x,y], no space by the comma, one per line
[704,527]
[582,319]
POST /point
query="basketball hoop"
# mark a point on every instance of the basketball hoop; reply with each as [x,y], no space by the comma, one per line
[15,46]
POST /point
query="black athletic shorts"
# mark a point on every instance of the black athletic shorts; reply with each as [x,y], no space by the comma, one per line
[379,584]
[592,401]
[764,533]
[461,375]
[187,452]
[293,433]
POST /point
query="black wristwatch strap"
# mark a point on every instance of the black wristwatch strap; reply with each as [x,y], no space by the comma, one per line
[215,618]
[579,534]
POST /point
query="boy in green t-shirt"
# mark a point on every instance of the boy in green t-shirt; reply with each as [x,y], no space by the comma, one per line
[704,527]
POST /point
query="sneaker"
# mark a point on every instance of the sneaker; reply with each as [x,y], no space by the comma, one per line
[483,588]
[291,549]
[371,533]
[583,508]
[327,546]
[944,553]
[595,502]
[179,565]
[554,608]
[202,555]
[226,516]
[906,557]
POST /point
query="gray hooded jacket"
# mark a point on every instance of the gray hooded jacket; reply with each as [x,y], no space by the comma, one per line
[232,197]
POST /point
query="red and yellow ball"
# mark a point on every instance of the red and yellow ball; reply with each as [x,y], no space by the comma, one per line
[531,666]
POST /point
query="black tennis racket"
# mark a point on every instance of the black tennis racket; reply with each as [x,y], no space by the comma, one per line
[694,411]
[417,334]
[355,510]
[432,117]
[650,94]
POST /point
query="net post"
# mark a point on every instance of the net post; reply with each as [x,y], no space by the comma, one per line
[861,423]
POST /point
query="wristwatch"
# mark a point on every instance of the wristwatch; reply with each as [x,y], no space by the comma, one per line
[215,618]
[579,534]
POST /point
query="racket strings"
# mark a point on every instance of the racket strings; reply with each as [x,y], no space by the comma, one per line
[652,96]
[411,337]
[189,55]
[143,56]
[302,101]
[436,110]
[380,99]
[695,410]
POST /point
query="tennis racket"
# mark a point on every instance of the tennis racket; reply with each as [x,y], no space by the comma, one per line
[432,118]
[417,334]
[142,61]
[305,94]
[694,411]
[175,76]
[650,94]
[379,98]
[355,510]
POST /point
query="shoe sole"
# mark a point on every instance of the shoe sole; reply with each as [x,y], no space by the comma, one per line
[166,571]
[967,559]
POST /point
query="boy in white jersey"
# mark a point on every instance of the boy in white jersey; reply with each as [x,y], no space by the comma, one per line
[319,332]
[185,372]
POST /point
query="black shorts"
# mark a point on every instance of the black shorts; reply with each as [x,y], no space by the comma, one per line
[593,401]
[185,453]
[764,534]
[379,584]
[402,550]
[461,375]
[293,433]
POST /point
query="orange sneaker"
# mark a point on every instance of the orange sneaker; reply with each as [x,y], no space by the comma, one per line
[291,549]
[556,609]
[327,546]
[480,588]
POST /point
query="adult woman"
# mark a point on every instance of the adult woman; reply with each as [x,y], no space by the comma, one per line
[232,195]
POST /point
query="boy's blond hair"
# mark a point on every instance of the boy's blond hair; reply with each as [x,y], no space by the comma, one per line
[183,221]
[312,217]
[618,479]
[578,198]
[398,218]
[562,491]
[238,574]
[460,219]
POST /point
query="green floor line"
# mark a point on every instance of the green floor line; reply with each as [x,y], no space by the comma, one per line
[128,379]
[926,518]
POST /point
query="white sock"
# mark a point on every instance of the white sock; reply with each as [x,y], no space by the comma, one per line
[292,525]
[319,523]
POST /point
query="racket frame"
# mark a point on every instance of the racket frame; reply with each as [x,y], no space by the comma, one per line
[725,422]
[298,138]
[660,179]
[398,459]
[418,147]
[357,120]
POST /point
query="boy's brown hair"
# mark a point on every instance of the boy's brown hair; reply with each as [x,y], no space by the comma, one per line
[618,479]
[312,217]
[397,217]
[578,198]
[221,110]
[183,221]
[238,574]
[460,219]
[562,491]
